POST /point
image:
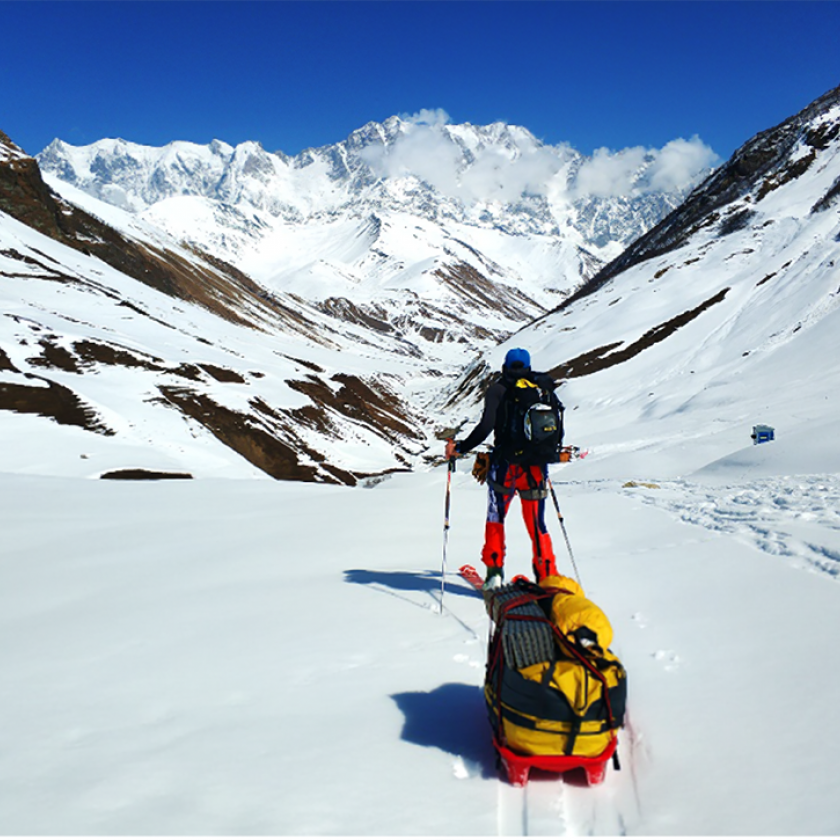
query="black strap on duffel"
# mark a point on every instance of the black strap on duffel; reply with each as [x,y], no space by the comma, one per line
[537,699]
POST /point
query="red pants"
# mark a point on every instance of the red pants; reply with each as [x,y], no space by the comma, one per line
[504,482]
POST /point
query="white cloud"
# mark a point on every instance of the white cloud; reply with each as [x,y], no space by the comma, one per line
[423,151]
[609,173]
[493,176]
[427,116]
[634,171]
[679,162]
[426,149]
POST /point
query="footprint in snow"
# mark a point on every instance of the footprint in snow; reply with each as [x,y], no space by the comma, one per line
[669,659]
[473,663]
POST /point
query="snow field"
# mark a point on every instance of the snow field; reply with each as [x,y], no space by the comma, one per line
[253,657]
[241,656]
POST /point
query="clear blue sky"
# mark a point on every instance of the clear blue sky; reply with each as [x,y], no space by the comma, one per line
[298,74]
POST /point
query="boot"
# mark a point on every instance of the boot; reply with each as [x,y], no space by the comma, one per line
[495,578]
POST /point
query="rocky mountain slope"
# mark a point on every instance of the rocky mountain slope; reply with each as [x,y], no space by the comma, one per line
[728,201]
[328,351]
[457,231]
[149,354]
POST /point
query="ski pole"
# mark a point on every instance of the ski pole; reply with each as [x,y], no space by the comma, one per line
[563,528]
[449,471]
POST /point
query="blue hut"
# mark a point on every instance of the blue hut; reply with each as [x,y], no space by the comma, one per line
[761,434]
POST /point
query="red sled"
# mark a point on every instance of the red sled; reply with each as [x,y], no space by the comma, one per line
[517,767]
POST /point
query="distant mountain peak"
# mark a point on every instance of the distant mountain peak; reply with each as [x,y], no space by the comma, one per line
[524,186]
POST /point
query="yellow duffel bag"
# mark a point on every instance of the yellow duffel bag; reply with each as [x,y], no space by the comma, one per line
[551,687]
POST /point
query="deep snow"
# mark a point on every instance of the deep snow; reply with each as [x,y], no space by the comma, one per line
[253,657]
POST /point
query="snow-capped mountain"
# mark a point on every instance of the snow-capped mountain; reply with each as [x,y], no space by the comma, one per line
[306,376]
[325,353]
[733,298]
[139,352]
[398,217]
[497,176]
[425,243]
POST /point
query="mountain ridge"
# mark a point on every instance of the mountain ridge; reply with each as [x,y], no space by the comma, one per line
[478,165]
[393,320]
[765,158]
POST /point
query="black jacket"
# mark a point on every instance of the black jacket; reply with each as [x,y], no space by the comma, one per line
[491,417]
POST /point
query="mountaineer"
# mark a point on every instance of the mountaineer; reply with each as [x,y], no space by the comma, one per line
[520,407]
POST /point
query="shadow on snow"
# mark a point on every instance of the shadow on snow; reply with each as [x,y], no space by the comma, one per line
[424,581]
[452,718]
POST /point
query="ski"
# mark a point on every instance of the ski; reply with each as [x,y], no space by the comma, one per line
[470,575]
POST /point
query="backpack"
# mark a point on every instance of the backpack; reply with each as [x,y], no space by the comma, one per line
[548,693]
[530,431]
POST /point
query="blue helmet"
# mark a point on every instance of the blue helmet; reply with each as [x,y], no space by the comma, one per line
[517,357]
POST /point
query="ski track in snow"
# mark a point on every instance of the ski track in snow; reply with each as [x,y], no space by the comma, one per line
[552,805]
[512,813]
[538,809]
[793,517]
[556,805]
[782,516]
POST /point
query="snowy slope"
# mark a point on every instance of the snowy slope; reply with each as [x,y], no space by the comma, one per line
[249,658]
[170,385]
[732,324]
[125,351]
[396,210]
[256,657]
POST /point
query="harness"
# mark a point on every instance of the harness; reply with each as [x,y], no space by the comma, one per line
[536,489]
